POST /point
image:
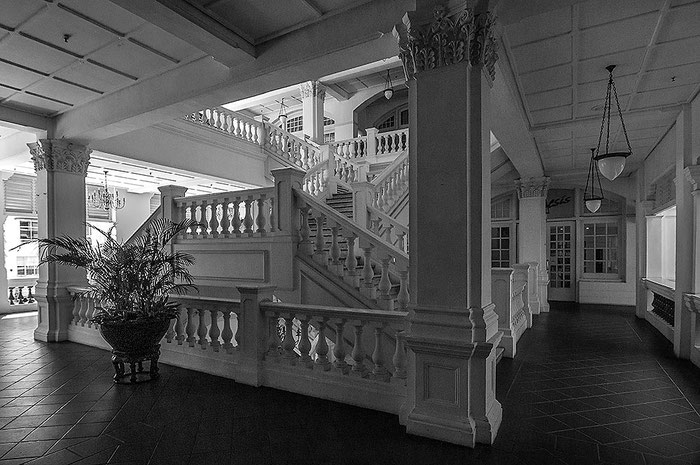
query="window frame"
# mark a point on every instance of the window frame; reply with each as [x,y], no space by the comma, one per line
[621,223]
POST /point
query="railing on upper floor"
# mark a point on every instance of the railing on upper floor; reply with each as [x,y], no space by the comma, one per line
[375,250]
[332,169]
[20,291]
[660,311]
[230,214]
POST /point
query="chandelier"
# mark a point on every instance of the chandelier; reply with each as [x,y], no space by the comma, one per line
[104,200]
[388,86]
[609,163]
[591,199]
[282,116]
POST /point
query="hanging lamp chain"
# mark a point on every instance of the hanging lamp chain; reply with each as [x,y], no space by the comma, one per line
[619,111]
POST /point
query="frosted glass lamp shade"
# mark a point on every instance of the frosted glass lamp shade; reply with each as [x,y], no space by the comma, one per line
[388,93]
[611,165]
[593,205]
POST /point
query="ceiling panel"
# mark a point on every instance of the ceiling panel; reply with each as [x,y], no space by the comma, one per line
[17,77]
[551,52]
[551,115]
[14,13]
[93,76]
[85,36]
[671,96]
[671,77]
[165,43]
[131,59]
[31,54]
[680,23]
[549,99]
[535,28]
[34,104]
[595,91]
[595,108]
[551,78]
[629,62]
[105,12]
[605,11]
[557,164]
[5,92]
[62,91]
[616,37]
[676,53]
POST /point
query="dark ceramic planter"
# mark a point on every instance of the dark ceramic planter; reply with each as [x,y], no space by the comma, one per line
[134,342]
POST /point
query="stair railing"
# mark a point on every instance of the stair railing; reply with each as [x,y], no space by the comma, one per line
[375,250]
[322,179]
[391,184]
[231,123]
[387,228]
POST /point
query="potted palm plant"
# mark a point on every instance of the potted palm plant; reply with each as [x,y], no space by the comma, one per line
[131,284]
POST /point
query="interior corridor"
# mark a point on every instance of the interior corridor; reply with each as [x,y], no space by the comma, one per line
[590,385]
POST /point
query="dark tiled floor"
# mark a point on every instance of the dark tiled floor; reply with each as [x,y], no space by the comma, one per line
[590,385]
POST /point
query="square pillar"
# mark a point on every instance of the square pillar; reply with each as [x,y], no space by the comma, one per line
[167,205]
[453,328]
[313,94]
[60,168]
[532,234]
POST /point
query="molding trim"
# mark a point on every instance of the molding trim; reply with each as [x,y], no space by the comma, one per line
[312,89]
[692,174]
[463,37]
[532,187]
[60,155]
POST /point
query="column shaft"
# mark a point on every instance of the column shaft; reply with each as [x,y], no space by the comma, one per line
[313,94]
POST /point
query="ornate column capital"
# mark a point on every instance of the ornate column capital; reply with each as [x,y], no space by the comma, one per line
[463,37]
[312,89]
[60,155]
[532,187]
[692,174]
[647,207]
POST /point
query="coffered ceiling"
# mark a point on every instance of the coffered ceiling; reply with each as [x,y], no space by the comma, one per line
[57,55]
[559,57]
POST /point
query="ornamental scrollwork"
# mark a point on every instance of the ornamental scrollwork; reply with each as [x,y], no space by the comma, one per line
[532,187]
[312,89]
[60,155]
[448,40]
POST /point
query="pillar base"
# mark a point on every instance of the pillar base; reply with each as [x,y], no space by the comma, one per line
[55,314]
[543,283]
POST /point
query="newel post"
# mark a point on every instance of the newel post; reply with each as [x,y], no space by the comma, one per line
[285,180]
[253,327]
[168,194]
[372,141]
[361,198]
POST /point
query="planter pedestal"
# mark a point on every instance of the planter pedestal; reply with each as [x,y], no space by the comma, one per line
[135,361]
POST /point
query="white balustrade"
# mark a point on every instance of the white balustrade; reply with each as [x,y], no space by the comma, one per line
[386,227]
[231,123]
[691,303]
[509,301]
[350,149]
[392,142]
[377,252]
[290,148]
[391,185]
[230,214]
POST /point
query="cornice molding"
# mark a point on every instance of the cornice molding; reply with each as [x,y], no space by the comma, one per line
[462,37]
[60,155]
[532,187]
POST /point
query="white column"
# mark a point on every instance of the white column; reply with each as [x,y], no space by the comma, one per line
[684,233]
[167,206]
[453,328]
[60,168]
[312,95]
[532,232]
[692,175]
[4,300]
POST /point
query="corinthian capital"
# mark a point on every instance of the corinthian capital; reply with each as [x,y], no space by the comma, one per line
[60,155]
[312,89]
[532,187]
[447,40]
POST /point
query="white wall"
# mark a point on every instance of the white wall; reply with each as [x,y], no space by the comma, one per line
[136,210]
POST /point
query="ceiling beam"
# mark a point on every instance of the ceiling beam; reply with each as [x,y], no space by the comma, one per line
[337,92]
[311,6]
[194,27]
[23,120]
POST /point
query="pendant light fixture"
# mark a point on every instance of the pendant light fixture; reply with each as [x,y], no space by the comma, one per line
[105,200]
[388,86]
[282,116]
[593,201]
[611,164]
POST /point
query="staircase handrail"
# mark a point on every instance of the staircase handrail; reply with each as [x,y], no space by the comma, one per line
[229,194]
[158,213]
[364,314]
[390,169]
[285,144]
[387,228]
[231,123]
[316,181]
[365,236]
[350,149]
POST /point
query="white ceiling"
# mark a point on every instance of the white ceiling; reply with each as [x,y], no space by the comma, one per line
[55,56]
[559,58]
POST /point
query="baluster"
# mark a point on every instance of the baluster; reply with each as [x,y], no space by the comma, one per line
[83,312]
[288,343]
[214,330]
[368,289]
[236,127]
[258,134]
[190,328]
[208,215]
[385,197]
[260,220]
[380,199]
[237,334]
[202,330]
[387,233]
[351,277]
[339,348]
[399,358]
[77,303]
[227,333]
[30,295]
[305,344]
[248,220]
[401,240]
[179,330]
[236,220]
[358,354]
[274,343]
[170,334]
[384,299]
[320,243]
[225,218]
[91,312]
[218,216]
[379,372]
[20,296]
[336,265]
[304,155]
[322,346]
[273,221]
[403,297]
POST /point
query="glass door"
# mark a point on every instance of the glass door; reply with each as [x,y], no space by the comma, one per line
[561,255]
